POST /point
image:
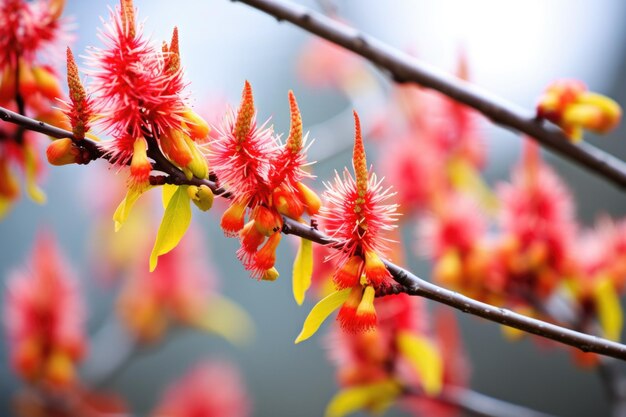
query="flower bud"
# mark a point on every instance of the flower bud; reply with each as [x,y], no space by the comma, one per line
[311,200]
[349,274]
[270,275]
[375,269]
[47,83]
[195,125]
[266,221]
[232,219]
[266,256]
[286,203]
[201,196]
[62,152]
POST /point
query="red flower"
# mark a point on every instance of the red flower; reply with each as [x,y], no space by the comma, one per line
[209,390]
[356,217]
[44,318]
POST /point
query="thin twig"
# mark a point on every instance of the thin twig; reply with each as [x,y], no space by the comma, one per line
[413,284]
[404,68]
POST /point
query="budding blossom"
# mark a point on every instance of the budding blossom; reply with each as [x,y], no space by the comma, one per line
[356,217]
[265,180]
[570,105]
[29,30]
[44,317]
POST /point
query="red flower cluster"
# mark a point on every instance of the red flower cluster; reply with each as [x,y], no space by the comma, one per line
[265,180]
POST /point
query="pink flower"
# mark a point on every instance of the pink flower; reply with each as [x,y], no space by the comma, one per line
[211,389]
[44,318]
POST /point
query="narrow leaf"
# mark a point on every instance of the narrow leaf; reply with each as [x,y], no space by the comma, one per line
[302,270]
[425,360]
[320,312]
[123,210]
[378,397]
[609,308]
[32,189]
[167,193]
[176,220]
[227,319]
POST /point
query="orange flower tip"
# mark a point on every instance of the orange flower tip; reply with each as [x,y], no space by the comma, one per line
[358,314]
[375,269]
[266,256]
[55,8]
[232,219]
[195,125]
[311,200]
[266,221]
[270,275]
[201,196]
[128,17]
[287,203]
[62,152]
[47,83]
[176,147]
[250,237]
[245,114]
[349,274]
[140,165]
[359,161]
[294,140]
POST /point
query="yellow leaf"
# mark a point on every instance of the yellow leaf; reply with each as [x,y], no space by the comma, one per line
[377,397]
[302,270]
[5,203]
[33,190]
[608,308]
[464,177]
[123,210]
[168,192]
[320,312]
[227,319]
[176,220]
[425,360]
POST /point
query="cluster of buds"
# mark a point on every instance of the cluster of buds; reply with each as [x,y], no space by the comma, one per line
[27,86]
[356,218]
[264,178]
[44,319]
[571,106]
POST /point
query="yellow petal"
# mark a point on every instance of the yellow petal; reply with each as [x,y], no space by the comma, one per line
[123,210]
[176,220]
[320,312]
[227,319]
[302,270]
[377,397]
[33,190]
[425,360]
[167,193]
[608,308]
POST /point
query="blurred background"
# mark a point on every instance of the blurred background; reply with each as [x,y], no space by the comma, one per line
[513,49]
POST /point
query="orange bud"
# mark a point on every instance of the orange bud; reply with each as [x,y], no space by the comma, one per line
[365,312]
[287,203]
[62,152]
[266,256]
[59,370]
[55,8]
[140,166]
[349,274]
[266,221]
[232,219]
[194,124]
[47,83]
[358,313]
[375,269]
[175,147]
[311,200]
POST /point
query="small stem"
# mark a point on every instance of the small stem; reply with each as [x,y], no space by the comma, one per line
[404,68]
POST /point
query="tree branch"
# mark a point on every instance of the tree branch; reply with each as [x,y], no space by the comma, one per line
[404,68]
[409,283]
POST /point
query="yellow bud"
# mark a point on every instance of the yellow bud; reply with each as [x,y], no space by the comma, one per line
[62,152]
[195,125]
[198,165]
[270,275]
[47,83]
[201,196]
[310,199]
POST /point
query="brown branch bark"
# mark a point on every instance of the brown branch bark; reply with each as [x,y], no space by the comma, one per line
[408,282]
[404,68]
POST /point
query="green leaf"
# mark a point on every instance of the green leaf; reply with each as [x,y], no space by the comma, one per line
[176,220]
[376,397]
[302,270]
[425,360]
[124,208]
[609,308]
[227,319]
[320,312]
[167,193]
